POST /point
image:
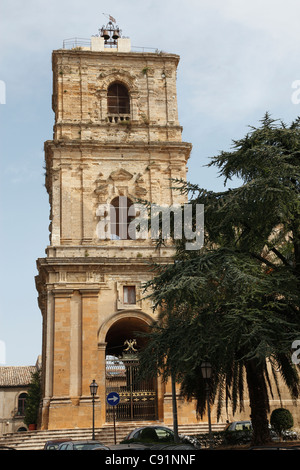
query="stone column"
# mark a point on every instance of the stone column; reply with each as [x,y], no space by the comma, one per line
[103,104]
[75,346]
[88,217]
[66,204]
[89,338]
[49,346]
[48,358]
[61,343]
[55,207]
[102,381]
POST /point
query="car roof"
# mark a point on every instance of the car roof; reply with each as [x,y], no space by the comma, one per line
[92,441]
[52,441]
[152,426]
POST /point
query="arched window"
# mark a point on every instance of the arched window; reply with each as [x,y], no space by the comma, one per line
[21,429]
[22,404]
[120,218]
[118,99]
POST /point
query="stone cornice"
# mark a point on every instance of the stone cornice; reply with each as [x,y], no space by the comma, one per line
[95,144]
[126,56]
[92,262]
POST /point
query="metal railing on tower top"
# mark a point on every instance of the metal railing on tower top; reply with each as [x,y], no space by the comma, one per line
[73,43]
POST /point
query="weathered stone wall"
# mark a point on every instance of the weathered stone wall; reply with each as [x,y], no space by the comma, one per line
[80,177]
[81,80]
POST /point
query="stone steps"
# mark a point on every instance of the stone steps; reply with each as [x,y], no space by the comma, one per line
[200,428]
[35,440]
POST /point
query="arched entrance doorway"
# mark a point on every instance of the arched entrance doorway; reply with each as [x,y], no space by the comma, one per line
[138,398]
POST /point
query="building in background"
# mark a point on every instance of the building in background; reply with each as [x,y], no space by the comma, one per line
[14,384]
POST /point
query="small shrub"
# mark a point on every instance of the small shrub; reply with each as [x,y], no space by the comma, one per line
[33,400]
[237,437]
[216,439]
[225,438]
[281,420]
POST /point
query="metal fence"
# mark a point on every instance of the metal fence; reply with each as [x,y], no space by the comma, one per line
[73,43]
[138,398]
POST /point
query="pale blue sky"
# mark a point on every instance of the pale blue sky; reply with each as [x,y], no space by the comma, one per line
[239,59]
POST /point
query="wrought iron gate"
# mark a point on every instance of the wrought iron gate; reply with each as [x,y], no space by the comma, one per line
[138,398]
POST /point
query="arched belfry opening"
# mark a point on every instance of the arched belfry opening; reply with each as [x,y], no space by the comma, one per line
[118,100]
[138,397]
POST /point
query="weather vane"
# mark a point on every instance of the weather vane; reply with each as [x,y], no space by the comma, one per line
[111,32]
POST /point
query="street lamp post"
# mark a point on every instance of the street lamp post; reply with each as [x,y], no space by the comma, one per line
[206,370]
[93,389]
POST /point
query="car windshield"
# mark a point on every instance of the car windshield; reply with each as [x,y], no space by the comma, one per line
[52,446]
[154,435]
[164,435]
[86,446]
[242,426]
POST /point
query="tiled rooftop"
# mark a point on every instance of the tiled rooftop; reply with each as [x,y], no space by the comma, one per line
[13,376]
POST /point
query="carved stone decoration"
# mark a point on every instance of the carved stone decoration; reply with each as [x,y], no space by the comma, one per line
[121,175]
[120,75]
[140,191]
[139,179]
[93,277]
[101,188]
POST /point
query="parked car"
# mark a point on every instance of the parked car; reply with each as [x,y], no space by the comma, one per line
[82,445]
[130,446]
[239,426]
[151,434]
[53,444]
[237,433]
[247,427]
[158,437]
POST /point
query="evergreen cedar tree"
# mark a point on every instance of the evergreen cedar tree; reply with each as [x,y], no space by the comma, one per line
[236,301]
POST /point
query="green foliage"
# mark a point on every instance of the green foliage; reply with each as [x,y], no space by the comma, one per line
[281,420]
[237,437]
[224,438]
[236,301]
[33,400]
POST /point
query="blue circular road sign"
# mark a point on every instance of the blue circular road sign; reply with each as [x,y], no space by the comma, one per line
[113,398]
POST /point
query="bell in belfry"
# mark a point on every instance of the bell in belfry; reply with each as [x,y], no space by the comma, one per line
[105,34]
[116,34]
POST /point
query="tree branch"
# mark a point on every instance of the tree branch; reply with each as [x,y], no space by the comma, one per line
[263,260]
[280,256]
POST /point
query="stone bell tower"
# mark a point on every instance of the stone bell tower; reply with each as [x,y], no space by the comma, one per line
[116,137]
